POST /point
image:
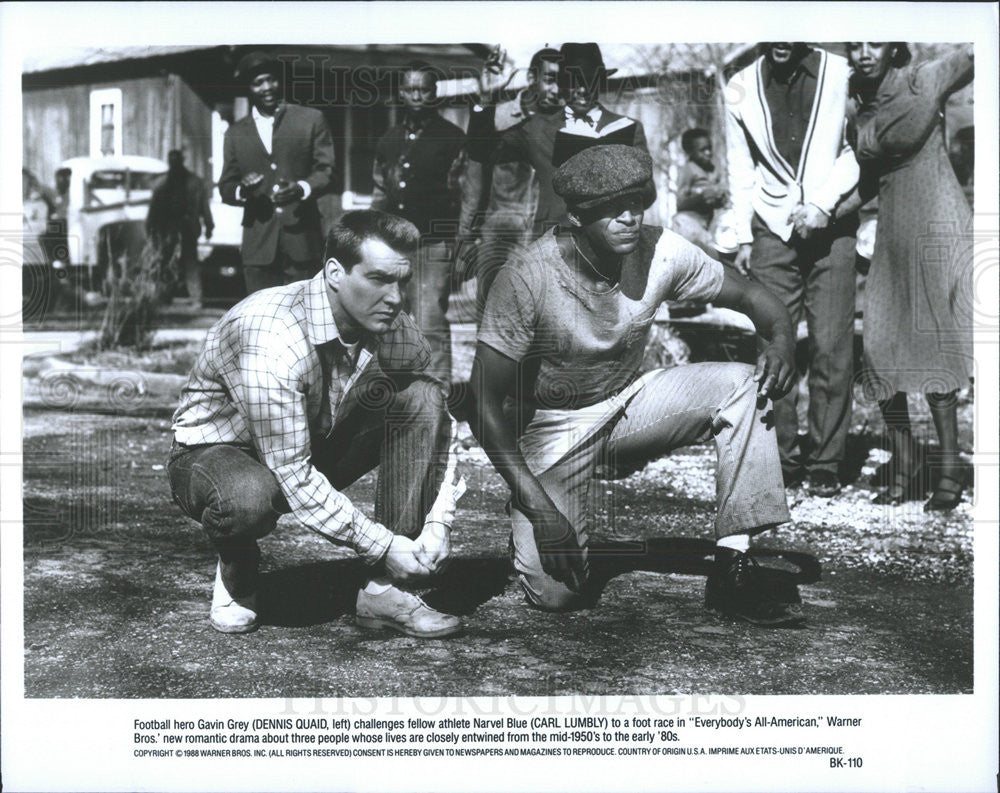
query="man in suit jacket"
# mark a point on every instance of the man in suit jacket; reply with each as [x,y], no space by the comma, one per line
[790,167]
[582,77]
[277,160]
[546,138]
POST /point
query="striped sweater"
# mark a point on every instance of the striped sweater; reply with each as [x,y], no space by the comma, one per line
[761,180]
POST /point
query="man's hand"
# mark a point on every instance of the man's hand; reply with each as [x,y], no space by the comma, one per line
[742,260]
[715,195]
[250,184]
[808,219]
[557,546]
[434,546]
[775,370]
[495,76]
[286,193]
[401,562]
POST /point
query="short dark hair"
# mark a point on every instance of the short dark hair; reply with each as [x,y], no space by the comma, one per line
[900,55]
[344,241]
[691,135]
[544,55]
[421,67]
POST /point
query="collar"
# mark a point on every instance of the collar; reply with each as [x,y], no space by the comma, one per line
[809,63]
[418,123]
[591,117]
[320,325]
[258,116]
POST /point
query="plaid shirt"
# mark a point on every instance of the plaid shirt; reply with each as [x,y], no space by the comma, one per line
[259,382]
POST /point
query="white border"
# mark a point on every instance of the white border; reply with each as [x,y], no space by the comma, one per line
[925,743]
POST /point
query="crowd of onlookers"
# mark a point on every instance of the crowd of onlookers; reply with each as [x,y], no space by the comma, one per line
[837,172]
[318,377]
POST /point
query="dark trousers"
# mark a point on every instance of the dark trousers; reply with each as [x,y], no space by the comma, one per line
[281,271]
[427,297]
[815,279]
[237,499]
[190,265]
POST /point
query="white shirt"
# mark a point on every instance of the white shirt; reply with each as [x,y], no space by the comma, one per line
[577,126]
[265,127]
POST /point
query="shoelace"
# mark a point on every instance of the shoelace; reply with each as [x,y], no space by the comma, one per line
[743,565]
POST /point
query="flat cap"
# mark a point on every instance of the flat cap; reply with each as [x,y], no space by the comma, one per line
[600,174]
[254,63]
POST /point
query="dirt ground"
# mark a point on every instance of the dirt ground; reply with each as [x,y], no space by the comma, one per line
[118,582]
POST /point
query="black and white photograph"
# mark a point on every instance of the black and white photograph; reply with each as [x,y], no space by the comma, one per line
[626,391]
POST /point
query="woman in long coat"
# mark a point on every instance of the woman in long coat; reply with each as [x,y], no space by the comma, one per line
[918,313]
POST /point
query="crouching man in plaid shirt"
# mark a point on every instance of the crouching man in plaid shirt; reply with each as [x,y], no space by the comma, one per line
[299,391]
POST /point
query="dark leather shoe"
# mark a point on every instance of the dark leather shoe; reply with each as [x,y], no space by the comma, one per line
[739,587]
[824,484]
[792,477]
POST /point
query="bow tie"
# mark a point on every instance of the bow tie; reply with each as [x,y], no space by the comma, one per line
[585,117]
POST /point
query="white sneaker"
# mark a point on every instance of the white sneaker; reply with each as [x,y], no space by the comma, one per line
[231,615]
[404,612]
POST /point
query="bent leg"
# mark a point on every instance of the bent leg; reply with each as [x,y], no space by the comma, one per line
[687,405]
[568,485]
[406,434]
[235,498]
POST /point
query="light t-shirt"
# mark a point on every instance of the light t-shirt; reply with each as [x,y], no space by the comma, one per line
[580,342]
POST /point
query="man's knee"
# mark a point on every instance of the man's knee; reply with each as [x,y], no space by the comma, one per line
[250,511]
[545,593]
[420,398]
[737,378]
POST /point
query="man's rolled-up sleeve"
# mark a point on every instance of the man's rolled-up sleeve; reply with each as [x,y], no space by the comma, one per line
[266,387]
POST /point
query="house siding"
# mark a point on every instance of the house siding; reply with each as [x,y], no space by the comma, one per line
[158,114]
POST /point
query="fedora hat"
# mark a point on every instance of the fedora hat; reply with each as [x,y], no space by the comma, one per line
[256,62]
[585,59]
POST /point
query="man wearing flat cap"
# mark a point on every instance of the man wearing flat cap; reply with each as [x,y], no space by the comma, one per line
[561,343]
[276,161]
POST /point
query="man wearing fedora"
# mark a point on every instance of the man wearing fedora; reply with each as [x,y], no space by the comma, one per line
[582,79]
[551,134]
[276,161]
[558,388]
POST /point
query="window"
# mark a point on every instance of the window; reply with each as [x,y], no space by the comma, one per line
[105,122]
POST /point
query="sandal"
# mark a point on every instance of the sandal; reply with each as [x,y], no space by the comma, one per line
[947,494]
[904,487]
